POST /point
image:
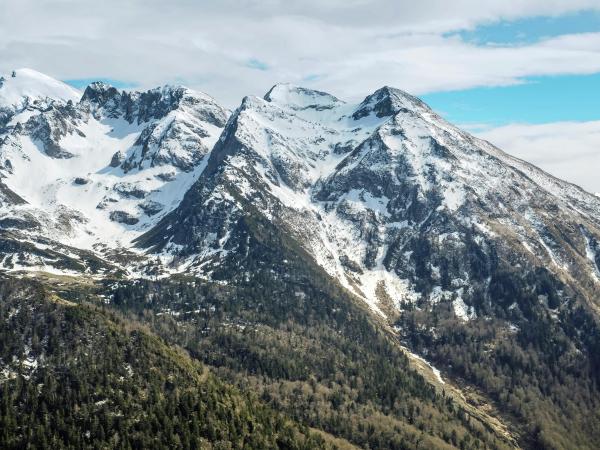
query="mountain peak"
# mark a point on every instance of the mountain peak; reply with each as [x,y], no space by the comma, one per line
[387,101]
[99,92]
[28,83]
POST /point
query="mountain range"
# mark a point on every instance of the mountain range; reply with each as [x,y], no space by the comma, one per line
[376,275]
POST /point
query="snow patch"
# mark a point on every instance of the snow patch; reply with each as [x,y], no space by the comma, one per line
[462,311]
[435,371]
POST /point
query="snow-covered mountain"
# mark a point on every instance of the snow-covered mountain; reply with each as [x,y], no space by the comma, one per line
[25,91]
[389,199]
[93,171]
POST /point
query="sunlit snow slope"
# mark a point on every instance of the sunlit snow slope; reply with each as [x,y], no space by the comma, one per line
[94,171]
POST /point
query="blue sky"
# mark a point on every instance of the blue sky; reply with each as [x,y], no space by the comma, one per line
[536,100]
[82,83]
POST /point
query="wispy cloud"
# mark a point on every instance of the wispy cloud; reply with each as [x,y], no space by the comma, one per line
[313,77]
[257,64]
[568,150]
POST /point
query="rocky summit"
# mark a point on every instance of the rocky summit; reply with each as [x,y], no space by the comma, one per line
[438,292]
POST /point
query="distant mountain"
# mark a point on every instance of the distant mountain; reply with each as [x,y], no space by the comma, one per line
[322,253]
[95,172]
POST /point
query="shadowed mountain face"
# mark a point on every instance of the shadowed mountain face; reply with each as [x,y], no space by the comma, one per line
[483,264]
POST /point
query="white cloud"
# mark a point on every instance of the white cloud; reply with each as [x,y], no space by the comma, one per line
[348,47]
[567,150]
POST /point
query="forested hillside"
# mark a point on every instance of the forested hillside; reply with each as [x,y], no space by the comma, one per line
[74,377]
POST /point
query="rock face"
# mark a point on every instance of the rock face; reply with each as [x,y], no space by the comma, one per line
[179,122]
